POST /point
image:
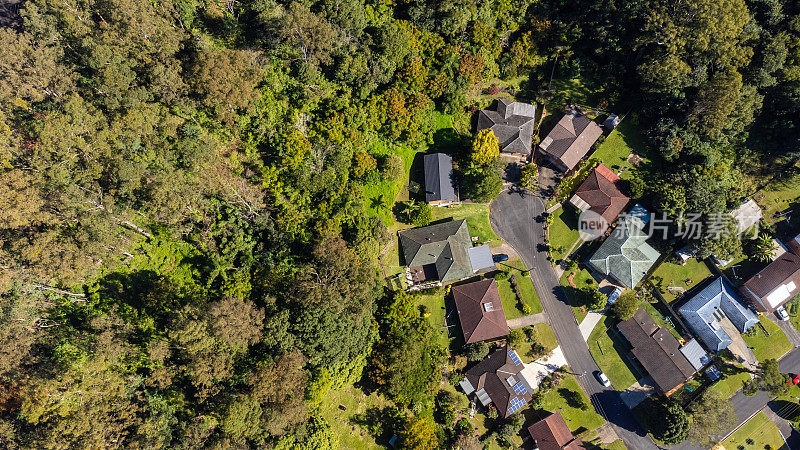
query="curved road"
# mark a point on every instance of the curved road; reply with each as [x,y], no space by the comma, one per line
[513,216]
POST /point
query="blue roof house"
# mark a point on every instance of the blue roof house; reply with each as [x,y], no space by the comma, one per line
[714,303]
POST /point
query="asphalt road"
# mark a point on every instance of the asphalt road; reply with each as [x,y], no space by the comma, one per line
[513,215]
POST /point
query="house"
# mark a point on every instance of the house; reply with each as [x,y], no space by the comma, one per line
[496,380]
[437,252]
[775,284]
[793,245]
[611,122]
[600,192]
[709,312]
[512,123]
[625,255]
[658,351]
[570,140]
[480,311]
[439,186]
[746,215]
[552,433]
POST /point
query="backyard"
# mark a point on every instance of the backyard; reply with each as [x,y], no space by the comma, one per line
[511,306]
[758,433]
[733,377]
[544,336]
[578,420]
[680,277]
[770,345]
[477,216]
[614,152]
[432,302]
[339,408]
[608,348]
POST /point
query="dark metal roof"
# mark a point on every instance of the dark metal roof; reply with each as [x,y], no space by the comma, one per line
[439,185]
[512,123]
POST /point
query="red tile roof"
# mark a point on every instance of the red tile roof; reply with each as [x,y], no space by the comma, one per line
[552,433]
[601,191]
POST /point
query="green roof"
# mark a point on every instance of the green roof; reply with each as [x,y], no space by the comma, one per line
[444,245]
[625,254]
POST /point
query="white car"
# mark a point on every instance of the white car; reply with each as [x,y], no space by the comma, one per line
[781,313]
[602,378]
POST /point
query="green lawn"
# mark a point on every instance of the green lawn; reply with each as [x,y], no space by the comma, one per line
[510,305]
[572,91]
[578,420]
[733,377]
[477,218]
[778,195]
[433,303]
[767,347]
[761,430]
[614,152]
[683,276]
[380,196]
[616,445]
[562,232]
[608,350]
[353,399]
[544,336]
[581,280]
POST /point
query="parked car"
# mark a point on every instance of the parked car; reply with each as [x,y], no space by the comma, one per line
[500,257]
[781,313]
[614,296]
[602,378]
[795,380]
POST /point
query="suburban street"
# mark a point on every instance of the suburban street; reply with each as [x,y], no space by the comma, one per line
[513,216]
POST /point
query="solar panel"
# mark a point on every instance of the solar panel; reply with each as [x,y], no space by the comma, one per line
[520,389]
[514,357]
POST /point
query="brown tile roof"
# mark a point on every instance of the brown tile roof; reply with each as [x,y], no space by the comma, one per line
[784,271]
[480,311]
[571,138]
[601,191]
[552,433]
[492,375]
[657,350]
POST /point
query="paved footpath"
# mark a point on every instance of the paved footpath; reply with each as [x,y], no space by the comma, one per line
[525,321]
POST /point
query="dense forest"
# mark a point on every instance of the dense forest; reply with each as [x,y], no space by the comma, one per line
[186,255]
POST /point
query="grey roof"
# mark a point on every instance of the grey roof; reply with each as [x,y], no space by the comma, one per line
[695,354]
[481,257]
[699,312]
[443,245]
[512,124]
[439,178]
[746,215]
[625,254]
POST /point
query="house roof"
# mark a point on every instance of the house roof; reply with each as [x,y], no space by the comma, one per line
[512,123]
[775,284]
[571,138]
[699,313]
[552,433]
[601,193]
[442,246]
[746,215]
[657,350]
[695,354]
[480,257]
[439,184]
[625,254]
[491,379]
[480,311]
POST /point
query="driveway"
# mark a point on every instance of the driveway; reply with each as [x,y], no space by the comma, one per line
[513,215]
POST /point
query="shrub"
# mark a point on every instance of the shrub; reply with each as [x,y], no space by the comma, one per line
[526,309]
[393,168]
[423,215]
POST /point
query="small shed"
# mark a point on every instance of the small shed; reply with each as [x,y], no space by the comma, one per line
[481,258]
[697,357]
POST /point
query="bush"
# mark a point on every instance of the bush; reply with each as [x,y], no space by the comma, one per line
[625,306]
[393,168]
[423,215]
[481,184]
[476,351]
[516,337]
[526,309]
[501,276]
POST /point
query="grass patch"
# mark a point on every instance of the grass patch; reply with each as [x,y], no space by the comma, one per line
[574,295]
[733,377]
[569,91]
[608,350]
[761,430]
[577,419]
[778,195]
[616,445]
[544,336]
[684,276]
[562,232]
[511,306]
[614,151]
[477,219]
[380,196]
[771,346]
[433,303]
[355,402]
